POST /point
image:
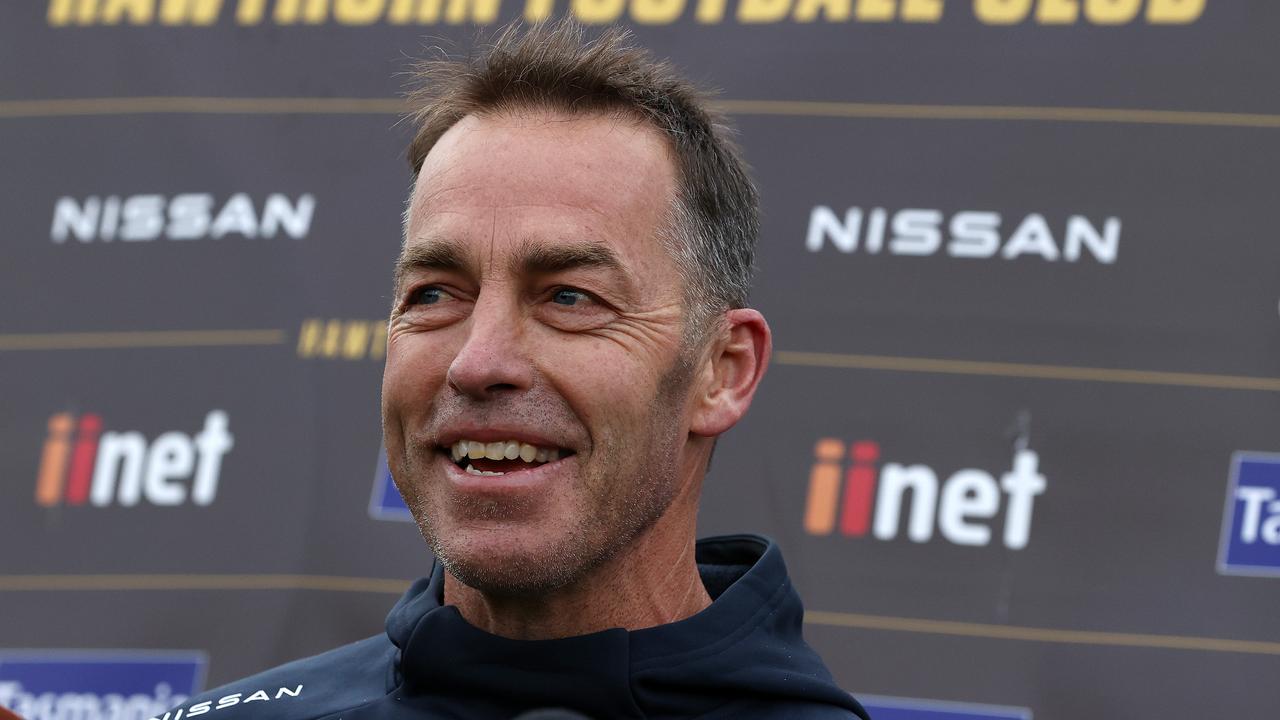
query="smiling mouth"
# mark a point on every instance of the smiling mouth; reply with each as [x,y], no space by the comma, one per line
[502,457]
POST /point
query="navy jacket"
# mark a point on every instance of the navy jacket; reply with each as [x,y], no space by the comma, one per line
[743,657]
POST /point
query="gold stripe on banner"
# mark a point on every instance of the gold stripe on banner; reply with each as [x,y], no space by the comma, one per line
[892,111]
[391,586]
[232,338]
[1035,634]
[71,107]
[139,339]
[1023,370]
[332,583]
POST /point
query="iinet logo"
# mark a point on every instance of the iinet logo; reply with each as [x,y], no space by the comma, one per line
[862,498]
[123,468]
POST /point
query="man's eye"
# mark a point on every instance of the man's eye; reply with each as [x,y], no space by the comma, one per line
[429,295]
[564,296]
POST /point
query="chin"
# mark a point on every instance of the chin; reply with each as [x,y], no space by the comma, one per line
[514,565]
[519,560]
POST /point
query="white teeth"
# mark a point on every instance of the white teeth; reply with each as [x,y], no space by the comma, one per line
[501,450]
[472,471]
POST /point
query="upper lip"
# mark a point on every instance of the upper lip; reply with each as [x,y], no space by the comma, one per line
[492,433]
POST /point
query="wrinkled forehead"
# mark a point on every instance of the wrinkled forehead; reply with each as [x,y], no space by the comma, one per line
[517,176]
[522,134]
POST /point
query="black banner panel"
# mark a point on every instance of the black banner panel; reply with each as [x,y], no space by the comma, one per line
[1018,441]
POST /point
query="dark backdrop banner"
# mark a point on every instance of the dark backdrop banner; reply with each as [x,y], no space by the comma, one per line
[1019,442]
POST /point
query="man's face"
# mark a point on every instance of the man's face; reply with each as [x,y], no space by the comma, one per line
[538,320]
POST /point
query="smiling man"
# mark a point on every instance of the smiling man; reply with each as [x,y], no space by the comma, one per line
[537,400]
[569,336]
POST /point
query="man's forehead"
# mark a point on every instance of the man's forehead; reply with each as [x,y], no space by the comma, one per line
[595,162]
[505,183]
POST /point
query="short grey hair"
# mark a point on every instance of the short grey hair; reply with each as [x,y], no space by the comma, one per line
[713,225]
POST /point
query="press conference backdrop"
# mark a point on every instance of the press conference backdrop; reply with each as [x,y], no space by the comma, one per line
[1019,439]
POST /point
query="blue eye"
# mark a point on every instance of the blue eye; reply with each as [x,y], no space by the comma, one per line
[429,295]
[568,297]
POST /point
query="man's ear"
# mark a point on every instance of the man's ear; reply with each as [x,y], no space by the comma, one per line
[739,356]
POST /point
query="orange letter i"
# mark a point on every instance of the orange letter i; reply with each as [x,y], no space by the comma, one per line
[53,461]
[824,487]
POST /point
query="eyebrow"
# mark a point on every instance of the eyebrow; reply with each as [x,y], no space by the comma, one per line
[532,258]
[535,258]
[433,255]
[540,259]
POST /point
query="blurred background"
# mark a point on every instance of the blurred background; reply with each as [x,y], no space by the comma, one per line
[1019,442]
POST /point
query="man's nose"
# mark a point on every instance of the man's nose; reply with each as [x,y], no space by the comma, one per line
[493,358]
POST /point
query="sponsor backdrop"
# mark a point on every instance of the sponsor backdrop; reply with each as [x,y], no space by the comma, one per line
[1019,442]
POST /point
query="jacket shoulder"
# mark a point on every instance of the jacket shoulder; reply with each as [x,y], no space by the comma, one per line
[304,689]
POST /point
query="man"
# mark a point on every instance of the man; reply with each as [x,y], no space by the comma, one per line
[568,338]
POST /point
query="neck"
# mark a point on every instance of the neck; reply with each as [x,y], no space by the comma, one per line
[653,581]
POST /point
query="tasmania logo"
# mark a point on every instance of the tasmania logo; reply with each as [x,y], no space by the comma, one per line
[386,503]
[859,498]
[97,684]
[82,463]
[1250,542]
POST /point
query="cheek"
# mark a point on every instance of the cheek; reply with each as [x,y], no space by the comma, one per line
[414,371]
[612,391]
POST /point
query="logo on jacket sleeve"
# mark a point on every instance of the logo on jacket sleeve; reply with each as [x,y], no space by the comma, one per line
[1250,542]
[231,700]
[97,684]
